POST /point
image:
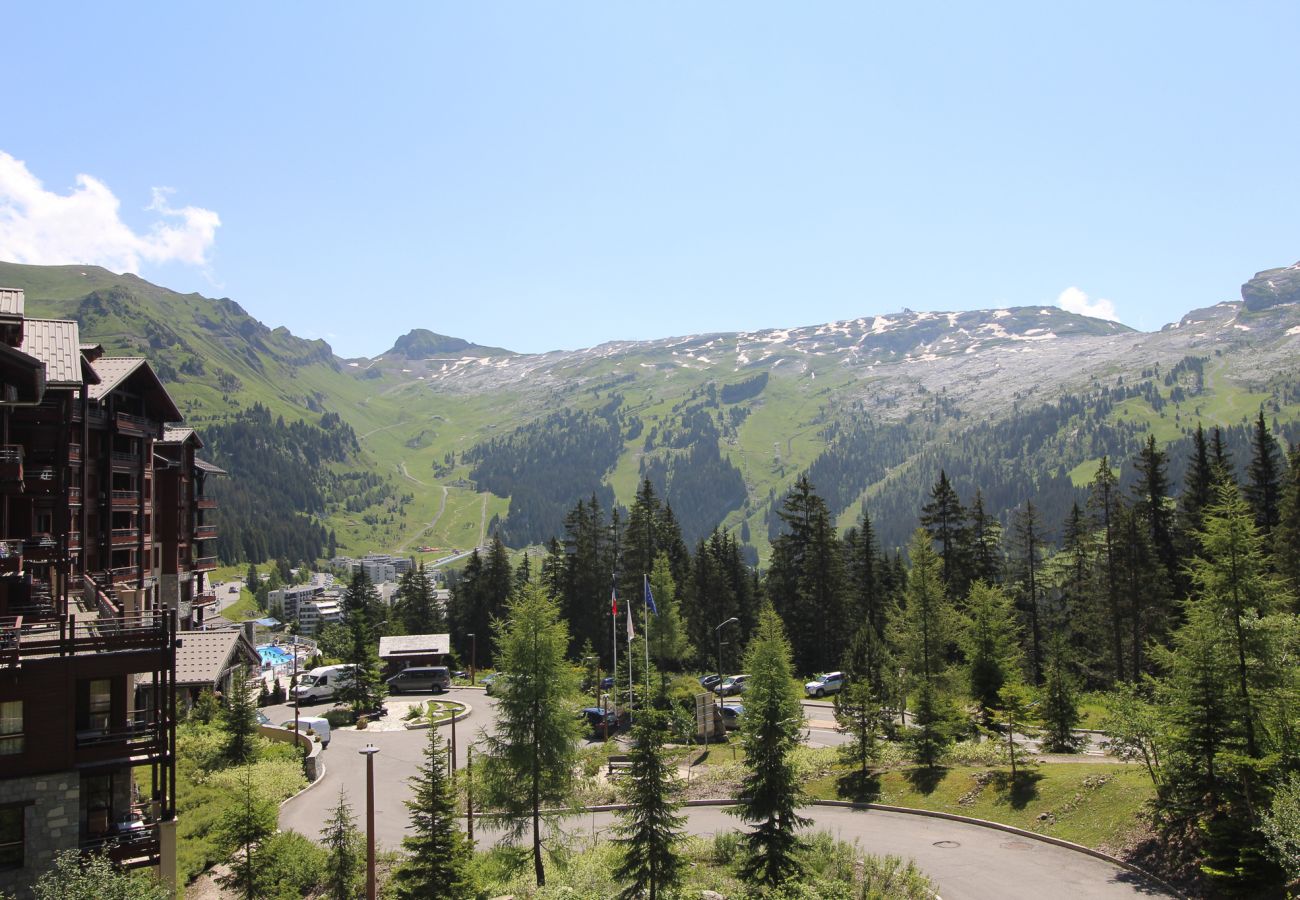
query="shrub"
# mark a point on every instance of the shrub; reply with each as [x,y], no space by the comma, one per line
[292,864]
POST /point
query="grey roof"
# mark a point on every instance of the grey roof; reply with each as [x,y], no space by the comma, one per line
[57,343]
[204,656]
[210,468]
[12,302]
[112,371]
[413,645]
[176,434]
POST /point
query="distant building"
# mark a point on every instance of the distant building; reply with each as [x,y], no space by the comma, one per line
[314,615]
[398,652]
[288,599]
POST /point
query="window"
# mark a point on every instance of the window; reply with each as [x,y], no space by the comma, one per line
[11,837]
[94,704]
[11,728]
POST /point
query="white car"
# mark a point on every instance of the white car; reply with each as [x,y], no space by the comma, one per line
[829,683]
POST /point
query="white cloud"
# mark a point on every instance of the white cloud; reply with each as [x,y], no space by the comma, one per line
[42,227]
[1076,301]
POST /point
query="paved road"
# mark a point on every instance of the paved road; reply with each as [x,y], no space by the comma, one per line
[968,862]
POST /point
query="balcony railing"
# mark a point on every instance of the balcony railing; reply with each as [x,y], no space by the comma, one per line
[205,564]
[74,453]
[74,540]
[139,739]
[67,636]
[11,465]
[205,532]
[206,598]
[126,460]
[205,502]
[125,498]
[124,574]
[74,496]
[131,843]
[136,424]
[40,548]
[125,535]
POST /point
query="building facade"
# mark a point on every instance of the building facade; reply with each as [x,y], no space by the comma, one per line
[103,535]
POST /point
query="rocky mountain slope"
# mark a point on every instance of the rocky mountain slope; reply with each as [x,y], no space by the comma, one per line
[456,439]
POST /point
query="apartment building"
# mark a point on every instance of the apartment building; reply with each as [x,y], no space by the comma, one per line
[103,537]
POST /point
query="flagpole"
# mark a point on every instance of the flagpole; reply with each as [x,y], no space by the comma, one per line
[631,697]
[645,601]
[613,619]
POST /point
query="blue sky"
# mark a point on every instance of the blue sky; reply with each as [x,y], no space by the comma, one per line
[542,176]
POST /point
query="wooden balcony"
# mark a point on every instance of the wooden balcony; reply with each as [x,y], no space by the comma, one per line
[40,479]
[129,424]
[74,453]
[74,496]
[205,599]
[74,540]
[126,498]
[106,634]
[138,741]
[125,462]
[126,536]
[131,844]
[205,502]
[41,548]
[11,468]
[204,564]
[124,574]
[205,532]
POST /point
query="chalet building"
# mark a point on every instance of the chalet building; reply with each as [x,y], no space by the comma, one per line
[103,558]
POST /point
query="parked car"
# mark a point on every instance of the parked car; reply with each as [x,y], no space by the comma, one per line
[709,682]
[732,684]
[607,683]
[312,725]
[492,683]
[322,683]
[262,718]
[827,683]
[420,678]
[596,718]
[731,713]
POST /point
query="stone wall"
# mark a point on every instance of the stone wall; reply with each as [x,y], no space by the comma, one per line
[50,824]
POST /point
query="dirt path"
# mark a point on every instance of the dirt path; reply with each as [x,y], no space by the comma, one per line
[381,428]
[482,522]
[401,467]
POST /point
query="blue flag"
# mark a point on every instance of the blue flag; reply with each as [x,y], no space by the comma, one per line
[650,599]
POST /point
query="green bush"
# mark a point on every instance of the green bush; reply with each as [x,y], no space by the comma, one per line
[292,864]
[339,717]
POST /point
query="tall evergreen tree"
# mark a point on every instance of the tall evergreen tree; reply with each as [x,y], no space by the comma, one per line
[770,730]
[1156,510]
[1198,483]
[241,831]
[1286,537]
[530,757]
[944,519]
[926,631]
[991,639]
[1060,702]
[985,541]
[1225,471]
[1026,569]
[1105,503]
[346,854]
[438,865]
[1263,487]
[669,646]
[859,714]
[365,688]
[240,720]
[650,829]
[419,612]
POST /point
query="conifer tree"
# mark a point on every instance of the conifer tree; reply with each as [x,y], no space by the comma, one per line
[530,757]
[241,830]
[1105,503]
[986,563]
[991,640]
[1286,537]
[650,829]
[860,714]
[420,612]
[1198,484]
[438,865]
[240,719]
[364,689]
[1060,702]
[926,631]
[1225,471]
[1151,502]
[944,519]
[1027,564]
[770,731]
[669,646]
[343,843]
[1264,477]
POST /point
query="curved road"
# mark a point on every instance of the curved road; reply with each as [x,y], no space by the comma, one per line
[966,861]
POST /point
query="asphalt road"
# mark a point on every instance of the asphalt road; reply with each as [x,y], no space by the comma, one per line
[968,862]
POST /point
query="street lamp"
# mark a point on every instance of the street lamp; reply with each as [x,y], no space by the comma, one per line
[473,656]
[717,688]
[369,752]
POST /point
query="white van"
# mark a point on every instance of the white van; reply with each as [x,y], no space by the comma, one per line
[314,725]
[321,684]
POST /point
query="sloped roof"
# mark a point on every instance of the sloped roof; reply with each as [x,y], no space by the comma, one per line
[113,372]
[413,645]
[179,434]
[23,376]
[210,468]
[57,343]
[204,656]
[12,302]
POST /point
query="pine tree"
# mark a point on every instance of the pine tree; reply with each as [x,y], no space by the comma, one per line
[944,519]
[438,865]
[926,631]
[991,640]
[364,690]
[343,842]
[1198,484]
[859,714]
[1027,564]
[242,828]
[1105,503]
[1014,700]
[770,731]
[669,647]
[650,829]
[1225,471]
[1264,477]
[530,758]
[985,541]
[1286,537]
[1152,504]
[240,719]
[1060,703]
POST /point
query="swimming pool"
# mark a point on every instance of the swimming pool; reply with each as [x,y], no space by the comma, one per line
[273,655]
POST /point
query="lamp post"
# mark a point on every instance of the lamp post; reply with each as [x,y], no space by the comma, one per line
[369,752]
[902,695]
[306,751]
[473,656]
[717,633]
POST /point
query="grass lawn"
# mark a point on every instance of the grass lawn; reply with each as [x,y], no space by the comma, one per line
[1094,804]
[243,608]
